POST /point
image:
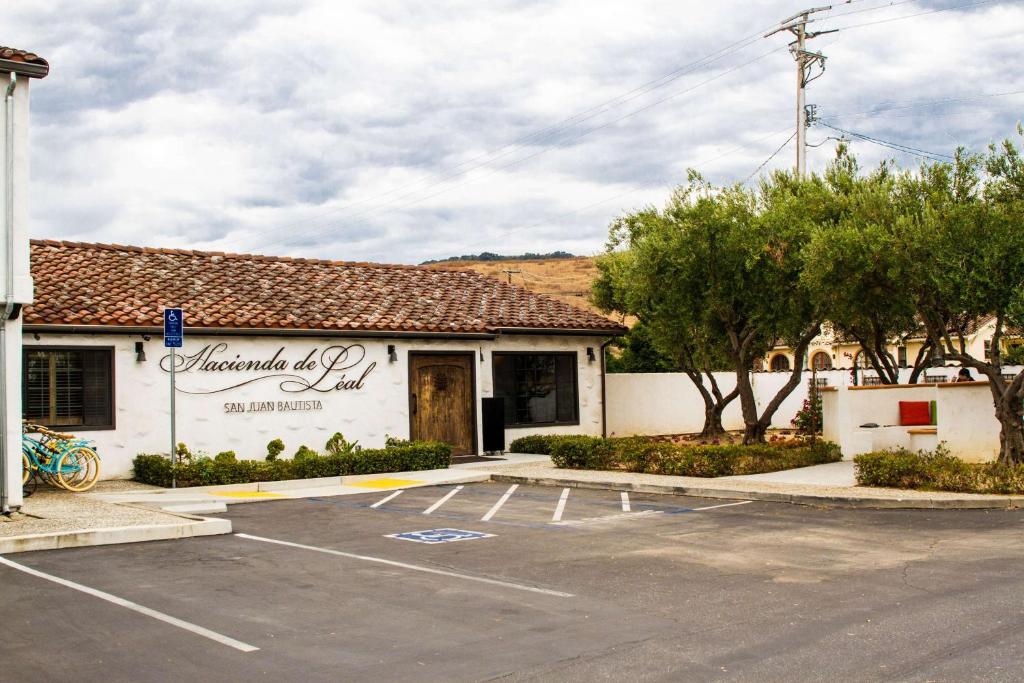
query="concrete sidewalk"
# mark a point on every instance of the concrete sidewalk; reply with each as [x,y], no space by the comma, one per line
[832,474]
[822,485]
[51,519]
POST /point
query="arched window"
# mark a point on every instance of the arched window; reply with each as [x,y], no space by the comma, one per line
[821,361]
[861,360]
[780,362]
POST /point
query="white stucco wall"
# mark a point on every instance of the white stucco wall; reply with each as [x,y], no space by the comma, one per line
[669,403]
[22,289]
[967,421]
[367,414]
[965,418]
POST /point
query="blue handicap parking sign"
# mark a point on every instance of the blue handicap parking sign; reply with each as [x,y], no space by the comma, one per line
[174,327]
[439,535]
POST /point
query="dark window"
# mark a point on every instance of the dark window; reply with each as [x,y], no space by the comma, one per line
[69,387]
[538,388]
[821,361]
[901,356]
[780,362]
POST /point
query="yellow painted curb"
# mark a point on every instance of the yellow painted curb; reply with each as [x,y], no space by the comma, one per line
[384,483]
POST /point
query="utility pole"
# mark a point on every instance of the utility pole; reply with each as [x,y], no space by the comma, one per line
[805,63]
[510,273]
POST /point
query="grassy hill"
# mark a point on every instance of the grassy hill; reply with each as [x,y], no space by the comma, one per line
[567,279]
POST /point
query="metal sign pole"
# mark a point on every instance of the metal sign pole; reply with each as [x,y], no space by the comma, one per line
[174,445]
[174,337]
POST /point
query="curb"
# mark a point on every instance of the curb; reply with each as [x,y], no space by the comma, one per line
[201,526]
[775,496]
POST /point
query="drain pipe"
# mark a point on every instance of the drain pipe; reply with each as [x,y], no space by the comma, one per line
[9,308]
[604,393]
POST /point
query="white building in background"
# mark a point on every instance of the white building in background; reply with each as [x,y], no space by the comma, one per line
[297,349]
[17,68]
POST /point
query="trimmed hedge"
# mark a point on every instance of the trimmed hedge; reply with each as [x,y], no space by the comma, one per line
[639,454]
[539,444]
[936,471]
[396,457]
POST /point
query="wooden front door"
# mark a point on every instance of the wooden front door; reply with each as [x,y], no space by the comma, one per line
[441,400]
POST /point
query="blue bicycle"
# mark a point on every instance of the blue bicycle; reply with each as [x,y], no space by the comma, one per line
[62,460]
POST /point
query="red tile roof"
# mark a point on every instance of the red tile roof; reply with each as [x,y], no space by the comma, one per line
[13,54]
[114,285]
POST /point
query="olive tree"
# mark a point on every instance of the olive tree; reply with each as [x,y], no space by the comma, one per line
[854,272]
[663,318]
[715,275]
[962,238]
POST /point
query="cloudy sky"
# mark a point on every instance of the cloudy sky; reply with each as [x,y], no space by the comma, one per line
[402,131]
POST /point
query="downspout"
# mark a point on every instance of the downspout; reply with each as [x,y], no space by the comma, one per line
[604,393]
[8,308]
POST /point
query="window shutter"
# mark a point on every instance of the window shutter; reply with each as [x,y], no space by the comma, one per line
[98,395]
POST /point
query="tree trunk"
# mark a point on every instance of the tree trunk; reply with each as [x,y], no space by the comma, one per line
[754,432]
[1011,431]
[755,429]
[714,401]
[713,420]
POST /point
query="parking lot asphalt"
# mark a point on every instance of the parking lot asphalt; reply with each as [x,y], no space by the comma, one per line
[578,585]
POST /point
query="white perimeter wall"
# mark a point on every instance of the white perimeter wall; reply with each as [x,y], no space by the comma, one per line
[380,408]
[668,403]
[965,419]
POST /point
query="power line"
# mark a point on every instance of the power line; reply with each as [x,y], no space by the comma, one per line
[770,157]
[538,153]
[561,126]
[565,124]
[918,104]
[619,195]
[933,156]
[920,14]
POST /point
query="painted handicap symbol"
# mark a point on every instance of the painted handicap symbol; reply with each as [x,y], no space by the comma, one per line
[439,535]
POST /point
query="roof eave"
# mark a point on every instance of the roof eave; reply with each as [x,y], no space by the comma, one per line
[30,69]
[57,328]
[577,332]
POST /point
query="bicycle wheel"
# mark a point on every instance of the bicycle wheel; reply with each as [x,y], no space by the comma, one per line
[26,469]
[78,469]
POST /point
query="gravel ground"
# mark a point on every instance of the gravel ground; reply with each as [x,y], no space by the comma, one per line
[49,510]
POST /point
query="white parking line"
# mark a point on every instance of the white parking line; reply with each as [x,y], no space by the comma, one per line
[128,604]
[413,567]
[444,499]
[724,505]
[501,501]
[560,508]
[625,501]
[387,498]
[617,517]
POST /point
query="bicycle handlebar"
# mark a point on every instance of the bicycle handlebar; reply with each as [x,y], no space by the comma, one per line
[28,427]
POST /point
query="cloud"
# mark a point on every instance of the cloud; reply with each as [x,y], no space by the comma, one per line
[380,130]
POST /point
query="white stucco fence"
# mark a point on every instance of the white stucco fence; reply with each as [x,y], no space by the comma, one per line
[965,419]
[669,403]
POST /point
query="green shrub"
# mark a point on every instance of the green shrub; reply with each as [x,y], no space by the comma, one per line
[582,452]
[539,444]
[227,469]
[338,445]
[936,471]
[152,469]
[225,456]
[304,452]
[641,454]
[274,449]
